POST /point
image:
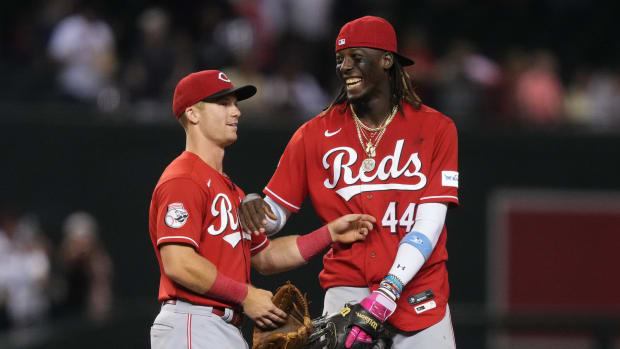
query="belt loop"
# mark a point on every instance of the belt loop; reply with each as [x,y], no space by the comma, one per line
[228,315]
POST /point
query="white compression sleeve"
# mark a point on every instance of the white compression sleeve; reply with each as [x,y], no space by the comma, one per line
[274,226]
[427,227]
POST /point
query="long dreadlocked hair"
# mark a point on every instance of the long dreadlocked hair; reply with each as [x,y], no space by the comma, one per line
[400,86]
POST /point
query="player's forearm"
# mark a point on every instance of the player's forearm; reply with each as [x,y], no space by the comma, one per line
[282,254]
[187,268]
[289,252]
[416,247]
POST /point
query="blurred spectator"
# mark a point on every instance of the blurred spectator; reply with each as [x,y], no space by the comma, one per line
[243,72]
[87,268]
[212,48]
[281,17]
[593,100]
[577,103]
[289,90]
[292,89]
[463,79]
[423,73]
[263,18]
[7,227]
[148,73]
[24,270]
[604,98]
[83,46]
[150,65]
[314,27]
[539,92]
[504,104]
[236,40]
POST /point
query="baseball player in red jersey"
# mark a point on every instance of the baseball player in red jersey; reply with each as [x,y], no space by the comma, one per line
[203,255]
[376,149]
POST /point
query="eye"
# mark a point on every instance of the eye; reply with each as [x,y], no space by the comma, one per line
[339,60]
[227,101]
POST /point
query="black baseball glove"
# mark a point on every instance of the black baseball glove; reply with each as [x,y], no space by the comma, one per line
[331,331]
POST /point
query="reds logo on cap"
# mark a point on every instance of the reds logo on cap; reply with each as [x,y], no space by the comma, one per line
[341,42]
[223,77]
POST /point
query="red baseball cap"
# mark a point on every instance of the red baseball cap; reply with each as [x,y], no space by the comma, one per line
[208,86]
[373,32]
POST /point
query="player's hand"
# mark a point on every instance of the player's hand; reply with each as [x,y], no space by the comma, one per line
[380,306]
[258,306]
[350,228]
[252,214]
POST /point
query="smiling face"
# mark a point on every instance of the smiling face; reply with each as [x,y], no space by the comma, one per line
[219,120]
[364,72]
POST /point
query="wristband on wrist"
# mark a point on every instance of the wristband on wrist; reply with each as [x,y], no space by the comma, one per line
[310,245]
[390,289]
[388,292]
[227,289]
[391,285]
[394,279]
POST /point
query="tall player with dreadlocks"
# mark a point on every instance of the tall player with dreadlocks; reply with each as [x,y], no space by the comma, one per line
[376,149]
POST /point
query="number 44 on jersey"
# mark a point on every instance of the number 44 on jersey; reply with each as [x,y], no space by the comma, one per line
[406,220]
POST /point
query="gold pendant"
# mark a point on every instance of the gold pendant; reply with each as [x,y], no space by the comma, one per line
[370,150]
[368,164]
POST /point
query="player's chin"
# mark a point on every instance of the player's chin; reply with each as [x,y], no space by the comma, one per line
[230,140]
[355,95]
[232,136]
[352,97]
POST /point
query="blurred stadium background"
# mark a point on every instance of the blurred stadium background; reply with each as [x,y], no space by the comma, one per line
[86,129]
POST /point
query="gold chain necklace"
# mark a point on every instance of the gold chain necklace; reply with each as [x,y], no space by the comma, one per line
[366,141]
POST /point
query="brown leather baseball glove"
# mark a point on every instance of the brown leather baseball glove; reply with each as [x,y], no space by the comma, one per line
[294,334]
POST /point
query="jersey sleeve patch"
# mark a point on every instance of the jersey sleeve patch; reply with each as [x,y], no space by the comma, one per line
[450,179]
[177,215]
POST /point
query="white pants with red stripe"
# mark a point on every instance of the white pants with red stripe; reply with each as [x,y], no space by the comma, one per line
[438,336]
[186,326]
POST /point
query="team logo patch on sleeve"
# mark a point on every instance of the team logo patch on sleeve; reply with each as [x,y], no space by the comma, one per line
[450,179]
[176,216]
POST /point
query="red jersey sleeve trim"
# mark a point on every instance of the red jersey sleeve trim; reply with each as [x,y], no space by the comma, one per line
[177,239]
[281,201]
[256,249]
[441,198]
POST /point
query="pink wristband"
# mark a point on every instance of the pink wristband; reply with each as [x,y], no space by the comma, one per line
[311,244]
[227,289]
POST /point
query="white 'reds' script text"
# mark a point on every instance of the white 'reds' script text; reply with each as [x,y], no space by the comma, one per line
[388,168]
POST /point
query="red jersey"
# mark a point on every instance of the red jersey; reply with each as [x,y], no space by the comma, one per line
[195,205]
[416,163]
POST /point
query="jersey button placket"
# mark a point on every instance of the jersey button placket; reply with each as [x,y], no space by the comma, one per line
[372,254]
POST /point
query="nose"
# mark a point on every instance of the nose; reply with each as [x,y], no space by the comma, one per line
[234,111]
[346,64]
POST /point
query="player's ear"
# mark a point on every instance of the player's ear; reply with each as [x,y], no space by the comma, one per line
[387,60]
[191,113]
